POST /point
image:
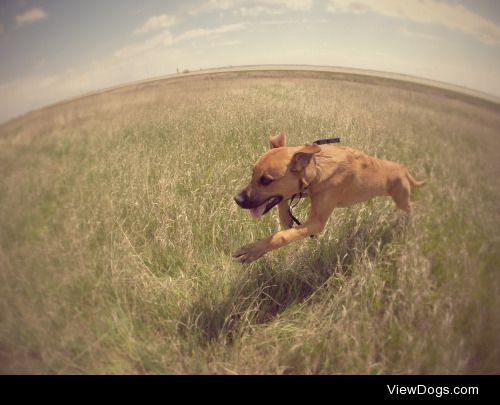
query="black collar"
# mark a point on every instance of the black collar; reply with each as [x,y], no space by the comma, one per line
[328,140]
[299,195]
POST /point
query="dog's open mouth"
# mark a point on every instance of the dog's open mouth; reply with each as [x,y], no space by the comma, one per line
[260,210]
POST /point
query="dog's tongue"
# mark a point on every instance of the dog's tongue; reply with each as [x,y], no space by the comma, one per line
[258,211]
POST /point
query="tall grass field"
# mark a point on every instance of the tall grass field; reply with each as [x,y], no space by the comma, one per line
[117,225]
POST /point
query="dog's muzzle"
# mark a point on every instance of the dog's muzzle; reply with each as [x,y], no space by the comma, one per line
[257,209]
[241,199]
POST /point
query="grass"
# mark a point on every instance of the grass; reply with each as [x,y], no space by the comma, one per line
[117,226]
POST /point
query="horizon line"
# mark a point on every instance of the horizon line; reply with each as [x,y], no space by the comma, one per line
[455,88]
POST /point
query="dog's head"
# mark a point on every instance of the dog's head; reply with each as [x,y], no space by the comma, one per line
[279,173]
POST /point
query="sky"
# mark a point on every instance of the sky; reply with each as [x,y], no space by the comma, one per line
[54,50]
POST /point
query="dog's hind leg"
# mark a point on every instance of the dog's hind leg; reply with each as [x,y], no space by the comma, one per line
[400,192]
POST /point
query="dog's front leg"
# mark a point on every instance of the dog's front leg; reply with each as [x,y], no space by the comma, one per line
[255,250]
[321,209]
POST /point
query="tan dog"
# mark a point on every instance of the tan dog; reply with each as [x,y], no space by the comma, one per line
[332,176]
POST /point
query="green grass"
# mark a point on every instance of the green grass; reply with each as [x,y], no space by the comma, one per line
[117,226]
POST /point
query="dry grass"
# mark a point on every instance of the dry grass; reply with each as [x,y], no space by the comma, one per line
[117,224]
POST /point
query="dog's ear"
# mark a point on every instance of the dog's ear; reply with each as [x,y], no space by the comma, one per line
[302,157]
[277,141]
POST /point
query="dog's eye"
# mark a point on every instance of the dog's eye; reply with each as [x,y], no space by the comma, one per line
[265,181]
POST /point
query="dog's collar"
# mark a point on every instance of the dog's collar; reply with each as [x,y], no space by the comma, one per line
[300,194]
[325,141]
[294,218]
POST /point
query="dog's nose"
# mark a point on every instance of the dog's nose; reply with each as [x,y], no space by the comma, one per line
[240,198]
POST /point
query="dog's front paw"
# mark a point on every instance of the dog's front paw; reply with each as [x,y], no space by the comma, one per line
[250,252]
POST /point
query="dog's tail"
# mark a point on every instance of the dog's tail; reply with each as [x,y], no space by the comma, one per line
[413,182]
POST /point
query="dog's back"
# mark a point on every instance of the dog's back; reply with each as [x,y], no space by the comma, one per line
[359,177]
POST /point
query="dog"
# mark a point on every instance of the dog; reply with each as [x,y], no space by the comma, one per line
[330,175]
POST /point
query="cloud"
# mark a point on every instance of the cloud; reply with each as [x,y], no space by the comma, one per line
[149,58]
[34,91]
[296,5]
[166,39]
[27,93]
[202,32]
[161,40]
[451,16]
[294,21]
[30,16]
[421,35]
[214,5]
[155,23]
[256,11]
[2,29]
[226,43]
[251,8]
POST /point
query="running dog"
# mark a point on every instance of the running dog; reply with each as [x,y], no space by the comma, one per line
[330,175]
